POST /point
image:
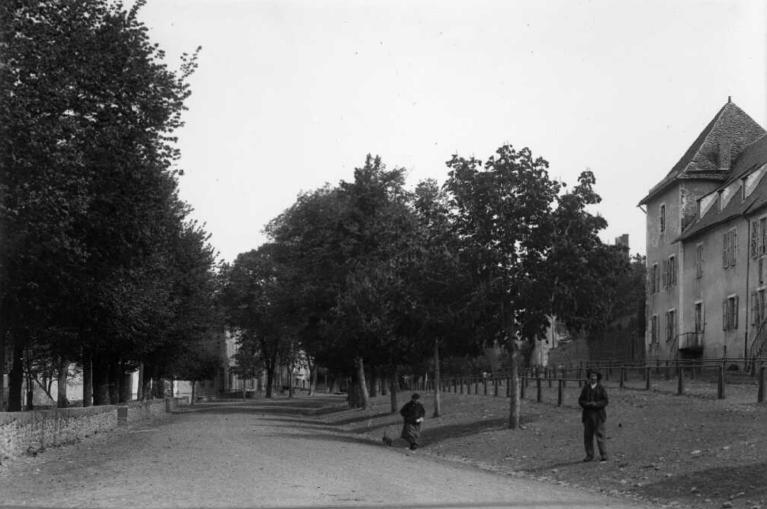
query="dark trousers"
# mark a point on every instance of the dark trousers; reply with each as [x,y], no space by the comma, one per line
[592,428]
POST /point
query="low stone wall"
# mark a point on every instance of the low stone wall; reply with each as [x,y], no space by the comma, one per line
[31,432]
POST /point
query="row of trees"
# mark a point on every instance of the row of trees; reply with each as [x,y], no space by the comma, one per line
[100,263]
[370,278]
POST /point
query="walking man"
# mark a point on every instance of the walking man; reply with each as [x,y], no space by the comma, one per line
[412,412]
[593,401]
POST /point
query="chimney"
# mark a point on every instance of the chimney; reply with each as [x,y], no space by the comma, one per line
[724,155]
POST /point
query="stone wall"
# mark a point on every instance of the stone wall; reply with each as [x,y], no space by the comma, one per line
[32,432]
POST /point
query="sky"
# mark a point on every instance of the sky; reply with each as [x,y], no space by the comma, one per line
[292,94]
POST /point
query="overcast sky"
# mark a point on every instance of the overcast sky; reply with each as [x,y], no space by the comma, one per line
[292,94]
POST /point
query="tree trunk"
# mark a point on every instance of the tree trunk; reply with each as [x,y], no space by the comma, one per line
[114,381]
[291,389]
[140,390]
[365,403]
[2,370]
[126,385]
[16,376]
[61,396]
[373,382]
[514,410]
[146,384]
[87,379]
[269,381]
[313,380]
[393,391]
[194,385]
[437,404]
[100,381]
[30,386]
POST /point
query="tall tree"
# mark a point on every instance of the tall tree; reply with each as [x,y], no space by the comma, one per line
[87,180]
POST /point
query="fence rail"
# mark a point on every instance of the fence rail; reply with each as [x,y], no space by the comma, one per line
[712,377]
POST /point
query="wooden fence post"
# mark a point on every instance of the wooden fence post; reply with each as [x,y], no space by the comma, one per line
[539,392]
[622,376]
[495,386]
[720,383]
[560,391]
[647,378]
[760,395]
[485,382]
[668,371]
[679,382]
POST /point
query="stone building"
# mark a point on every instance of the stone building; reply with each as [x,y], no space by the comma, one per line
[706,245]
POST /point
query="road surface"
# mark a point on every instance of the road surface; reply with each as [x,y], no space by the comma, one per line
[266,454]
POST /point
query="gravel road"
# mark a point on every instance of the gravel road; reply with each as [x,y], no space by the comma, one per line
[278,454]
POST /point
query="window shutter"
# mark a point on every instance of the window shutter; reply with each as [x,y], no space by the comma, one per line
[735,314]
[724,250]
[763,233]
[733,247]
[664,273]
[673,271]
[724,314]
[754,238]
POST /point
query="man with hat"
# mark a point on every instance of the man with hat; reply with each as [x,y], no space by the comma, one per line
[413,413]
[593,401]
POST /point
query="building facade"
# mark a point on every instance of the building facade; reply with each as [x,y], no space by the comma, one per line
[706,235]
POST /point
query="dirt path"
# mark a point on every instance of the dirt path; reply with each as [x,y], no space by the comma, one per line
[262,454]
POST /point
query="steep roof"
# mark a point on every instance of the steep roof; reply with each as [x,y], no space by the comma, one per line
[730,126]
[753,157]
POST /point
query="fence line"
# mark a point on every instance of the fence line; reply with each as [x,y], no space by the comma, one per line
[713,372]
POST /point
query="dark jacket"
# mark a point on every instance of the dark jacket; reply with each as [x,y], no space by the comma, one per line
[412,411]
[593,402]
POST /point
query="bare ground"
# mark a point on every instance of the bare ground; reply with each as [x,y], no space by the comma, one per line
[691,450]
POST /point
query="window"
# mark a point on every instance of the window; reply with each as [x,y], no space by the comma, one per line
[671,271]
[758,307]
[699,261]
[654,329]
[698,317]
[654,279]
[670,325]
[662,218]
[754,240]
[729,241]
[761,271]
[763,236]
[730,313]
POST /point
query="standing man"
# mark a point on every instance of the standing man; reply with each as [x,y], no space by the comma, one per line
[413,413]
[593,401]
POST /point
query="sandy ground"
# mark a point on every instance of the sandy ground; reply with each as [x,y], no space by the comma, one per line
[282,453]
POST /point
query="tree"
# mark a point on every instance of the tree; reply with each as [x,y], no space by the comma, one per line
[88,187]
[260,307]
[502,212]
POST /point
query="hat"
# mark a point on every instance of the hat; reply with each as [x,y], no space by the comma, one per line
[594,371]
[415,396]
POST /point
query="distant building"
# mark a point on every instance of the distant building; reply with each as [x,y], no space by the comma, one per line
[707,245]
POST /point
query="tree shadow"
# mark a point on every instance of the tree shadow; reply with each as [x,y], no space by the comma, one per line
[717,482]
[432,435]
